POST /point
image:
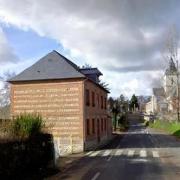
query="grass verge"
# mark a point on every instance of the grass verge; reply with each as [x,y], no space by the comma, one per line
[170,127]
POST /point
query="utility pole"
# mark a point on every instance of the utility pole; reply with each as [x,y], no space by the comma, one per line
[177,74]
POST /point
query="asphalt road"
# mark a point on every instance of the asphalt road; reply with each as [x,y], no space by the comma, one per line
[141,154]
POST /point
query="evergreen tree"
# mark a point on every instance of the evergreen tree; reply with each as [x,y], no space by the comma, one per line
[134,102]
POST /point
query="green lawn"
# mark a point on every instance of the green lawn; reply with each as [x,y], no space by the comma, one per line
[170,127]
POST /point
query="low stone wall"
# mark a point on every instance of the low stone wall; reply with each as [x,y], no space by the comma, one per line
[66,146]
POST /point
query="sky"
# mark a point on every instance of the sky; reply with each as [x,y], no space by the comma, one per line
[125,39]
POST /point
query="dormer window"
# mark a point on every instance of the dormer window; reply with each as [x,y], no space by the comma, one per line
[91,73]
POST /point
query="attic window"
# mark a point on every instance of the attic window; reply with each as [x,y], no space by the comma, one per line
[38,71]
[49,60]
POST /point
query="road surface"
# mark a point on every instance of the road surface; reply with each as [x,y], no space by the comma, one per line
[141,154]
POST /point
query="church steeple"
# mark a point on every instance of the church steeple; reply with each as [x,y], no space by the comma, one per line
[172,67]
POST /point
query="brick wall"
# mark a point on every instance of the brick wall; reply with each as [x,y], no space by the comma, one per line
[63,106]
[60,104]
[96,110]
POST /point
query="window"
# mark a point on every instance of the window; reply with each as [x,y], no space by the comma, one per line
[101,124]
[87,97]
[93,99]
[88,127]
[105,103]
[105,124]
[98,100]
[101,102]
[93,126]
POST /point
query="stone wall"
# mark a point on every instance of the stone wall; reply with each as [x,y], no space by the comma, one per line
[60,104]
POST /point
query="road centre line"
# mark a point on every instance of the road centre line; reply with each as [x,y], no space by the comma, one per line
[96,176]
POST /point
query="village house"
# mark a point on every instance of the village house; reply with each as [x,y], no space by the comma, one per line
[70,99]
[142,100]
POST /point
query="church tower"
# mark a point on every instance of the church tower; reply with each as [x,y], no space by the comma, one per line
[170,79]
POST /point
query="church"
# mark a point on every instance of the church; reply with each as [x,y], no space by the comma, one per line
[164,99]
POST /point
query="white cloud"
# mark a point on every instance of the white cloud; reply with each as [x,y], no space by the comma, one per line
[117,36]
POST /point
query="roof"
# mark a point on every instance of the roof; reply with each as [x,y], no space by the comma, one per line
[51,66]
[55,66]
[91,71]
[158,91]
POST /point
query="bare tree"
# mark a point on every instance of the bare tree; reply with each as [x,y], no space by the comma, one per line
[170,49]
[5,90]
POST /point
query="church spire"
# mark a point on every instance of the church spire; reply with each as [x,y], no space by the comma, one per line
[172,67]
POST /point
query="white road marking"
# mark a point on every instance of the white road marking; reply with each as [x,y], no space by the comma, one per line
[143,153]
[118,152]
[155,154]
[88,153]
[96,176]
[107,153]
[95,153]
[130,152]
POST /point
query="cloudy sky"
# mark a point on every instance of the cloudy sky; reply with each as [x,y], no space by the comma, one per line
[123,38]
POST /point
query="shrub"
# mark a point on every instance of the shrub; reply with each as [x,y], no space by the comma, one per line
[122,122]
[27,125]
[26,158]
